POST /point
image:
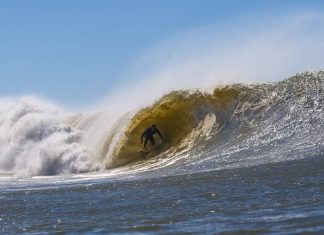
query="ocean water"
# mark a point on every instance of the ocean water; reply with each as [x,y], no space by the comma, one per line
[246,159]
[277,198]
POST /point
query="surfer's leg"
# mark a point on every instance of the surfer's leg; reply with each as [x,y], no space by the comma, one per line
[151,139]
[145,141]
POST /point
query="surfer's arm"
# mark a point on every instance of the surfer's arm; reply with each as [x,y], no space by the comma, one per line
[159,133]
[142,137]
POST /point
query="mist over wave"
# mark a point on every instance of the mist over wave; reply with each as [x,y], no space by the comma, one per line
[240,51]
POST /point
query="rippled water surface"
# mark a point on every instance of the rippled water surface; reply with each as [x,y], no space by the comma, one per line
[278,198]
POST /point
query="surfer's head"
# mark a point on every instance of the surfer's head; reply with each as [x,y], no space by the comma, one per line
[154,126]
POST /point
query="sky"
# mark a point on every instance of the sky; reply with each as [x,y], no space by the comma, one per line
[78,52]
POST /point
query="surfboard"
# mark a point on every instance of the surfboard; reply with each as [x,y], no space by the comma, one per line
[150,149]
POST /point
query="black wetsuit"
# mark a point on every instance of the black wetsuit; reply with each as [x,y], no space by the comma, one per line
[148,134]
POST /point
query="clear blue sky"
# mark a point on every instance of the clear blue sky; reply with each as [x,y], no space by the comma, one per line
[73,52]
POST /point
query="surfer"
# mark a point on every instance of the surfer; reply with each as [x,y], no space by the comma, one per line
[148,134]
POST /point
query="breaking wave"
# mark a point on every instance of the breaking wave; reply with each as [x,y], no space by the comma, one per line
[234,126]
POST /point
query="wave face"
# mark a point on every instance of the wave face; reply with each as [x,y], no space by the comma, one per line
[234,126]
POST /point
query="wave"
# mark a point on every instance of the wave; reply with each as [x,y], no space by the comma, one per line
[233,126]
